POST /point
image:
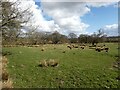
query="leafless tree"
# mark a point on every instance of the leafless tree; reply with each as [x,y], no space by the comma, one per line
[13,19]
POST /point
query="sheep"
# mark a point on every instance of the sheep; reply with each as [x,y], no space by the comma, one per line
[69,47]
[36,45]
[106,49]
[98,49]
[82,47]
[75,46]
[42,49]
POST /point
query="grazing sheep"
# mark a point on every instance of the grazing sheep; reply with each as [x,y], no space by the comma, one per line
[42,49]
[75,46]
[36,45]
[82,47]
[106,49]
[69,47]
[98,49]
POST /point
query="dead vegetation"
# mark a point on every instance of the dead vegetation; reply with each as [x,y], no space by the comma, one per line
[5,75]
[48,63]
[7,85]
[5,82]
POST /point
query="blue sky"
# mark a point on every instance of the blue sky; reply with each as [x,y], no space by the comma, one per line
[98,17]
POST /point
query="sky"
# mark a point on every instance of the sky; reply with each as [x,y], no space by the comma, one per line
[75,17]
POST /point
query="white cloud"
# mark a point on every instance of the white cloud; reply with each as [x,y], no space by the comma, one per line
[79,0]
[111,30]
[66,15]
[100,4]
[37,19]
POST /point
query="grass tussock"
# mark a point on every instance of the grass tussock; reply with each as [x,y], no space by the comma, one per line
[48,63]
[6,82]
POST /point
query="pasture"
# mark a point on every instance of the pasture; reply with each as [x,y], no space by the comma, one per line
[78,68]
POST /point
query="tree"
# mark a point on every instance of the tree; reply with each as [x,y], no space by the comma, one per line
[98,37]
[12,20]
[83,38]
[72,37]
[63,39]
[55,37]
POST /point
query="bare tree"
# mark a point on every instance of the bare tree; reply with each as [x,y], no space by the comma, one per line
[13,20]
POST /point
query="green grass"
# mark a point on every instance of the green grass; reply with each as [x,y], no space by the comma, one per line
[77,68]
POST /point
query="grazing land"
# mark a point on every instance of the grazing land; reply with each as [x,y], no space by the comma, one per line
[83,68]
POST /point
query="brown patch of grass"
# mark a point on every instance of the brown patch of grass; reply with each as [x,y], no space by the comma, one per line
[5,75]
[8,84]
[5,83]
[46,63]
[4,60]
[43,63]
[52,63]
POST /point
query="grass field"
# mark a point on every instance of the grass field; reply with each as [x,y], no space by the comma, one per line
[77,68]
